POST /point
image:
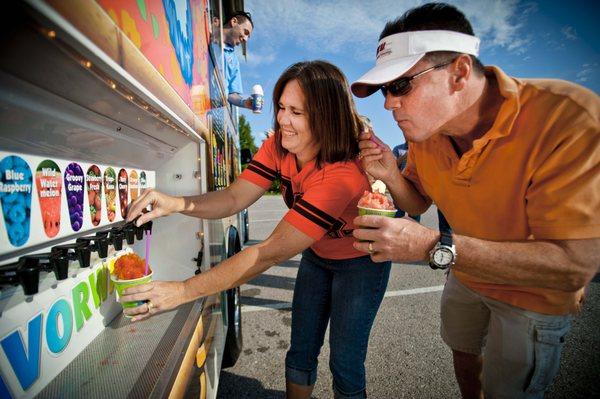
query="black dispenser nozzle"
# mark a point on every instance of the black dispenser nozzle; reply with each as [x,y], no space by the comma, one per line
[29,275]
[98,243]
[129,230]
[116,238]
[147,226]
[80,251]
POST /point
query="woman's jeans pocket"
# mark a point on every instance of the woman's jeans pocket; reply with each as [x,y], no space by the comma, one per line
[548,343]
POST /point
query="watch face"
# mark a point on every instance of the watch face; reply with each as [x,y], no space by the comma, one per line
[443,257]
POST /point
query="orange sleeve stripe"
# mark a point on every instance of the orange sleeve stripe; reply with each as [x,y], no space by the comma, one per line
[299,222]
[323,216]
[256,179]
[311,217]
[262,170]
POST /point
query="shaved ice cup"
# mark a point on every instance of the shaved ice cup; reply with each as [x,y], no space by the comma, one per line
[120,285]
[390,213]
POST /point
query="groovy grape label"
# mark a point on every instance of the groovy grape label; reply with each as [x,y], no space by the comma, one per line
[74,191]
[49,187]
[110,192]
[94,190]
[15,197]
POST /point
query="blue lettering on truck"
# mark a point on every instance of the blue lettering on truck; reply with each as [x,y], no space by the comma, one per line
[56,342]
[25,359]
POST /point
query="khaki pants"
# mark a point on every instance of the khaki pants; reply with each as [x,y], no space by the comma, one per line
[521,349]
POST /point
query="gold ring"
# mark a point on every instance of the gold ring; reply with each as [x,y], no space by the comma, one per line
[150,305]
[370,247]
[360,155]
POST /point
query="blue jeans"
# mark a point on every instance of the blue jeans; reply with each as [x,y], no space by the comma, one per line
[347,294]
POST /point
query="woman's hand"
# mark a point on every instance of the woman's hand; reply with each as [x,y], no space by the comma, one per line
[376,158]
[159,296]
[162,205]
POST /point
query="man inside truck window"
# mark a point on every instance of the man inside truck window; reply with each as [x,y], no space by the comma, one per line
[514,165]
[313,154]
[236,31]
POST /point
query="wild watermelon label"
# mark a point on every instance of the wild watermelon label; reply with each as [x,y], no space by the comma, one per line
[94,191]
[15,196]
[110,193]
[74,191]
[49,188]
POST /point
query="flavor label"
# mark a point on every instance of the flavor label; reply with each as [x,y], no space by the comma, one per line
[110,192]
[123,196]
[143,181]
[133,185]
[94,191]
[15,196]
[49,188]
[74,190]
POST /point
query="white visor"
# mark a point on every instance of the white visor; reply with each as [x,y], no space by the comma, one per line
[399,52]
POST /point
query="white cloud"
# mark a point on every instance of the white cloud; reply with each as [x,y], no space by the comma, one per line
[352,26]
[265,56]
[586,73]
[569,32]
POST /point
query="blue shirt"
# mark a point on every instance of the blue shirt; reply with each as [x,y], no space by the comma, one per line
[232,70]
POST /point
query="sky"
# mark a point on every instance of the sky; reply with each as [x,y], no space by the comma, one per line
[527,39]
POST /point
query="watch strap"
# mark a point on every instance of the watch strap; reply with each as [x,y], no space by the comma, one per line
[446,238]
[444,226]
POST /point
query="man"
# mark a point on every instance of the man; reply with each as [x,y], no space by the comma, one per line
[236,31]
[514,165]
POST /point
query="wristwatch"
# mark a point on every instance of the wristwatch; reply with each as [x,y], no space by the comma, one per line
[443,255]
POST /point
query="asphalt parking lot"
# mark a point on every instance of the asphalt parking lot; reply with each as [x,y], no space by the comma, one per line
[407,358]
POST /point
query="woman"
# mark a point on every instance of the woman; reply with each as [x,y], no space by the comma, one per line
[313,152]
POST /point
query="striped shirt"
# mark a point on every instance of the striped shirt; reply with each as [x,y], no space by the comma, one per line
[322,202]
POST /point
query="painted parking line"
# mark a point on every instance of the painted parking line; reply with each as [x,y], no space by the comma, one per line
[414,291]
[388,294]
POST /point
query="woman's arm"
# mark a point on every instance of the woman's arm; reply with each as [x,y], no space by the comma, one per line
[285,242]
[212,205]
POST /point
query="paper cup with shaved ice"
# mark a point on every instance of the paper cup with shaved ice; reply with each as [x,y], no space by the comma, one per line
[375,203]
[128,272]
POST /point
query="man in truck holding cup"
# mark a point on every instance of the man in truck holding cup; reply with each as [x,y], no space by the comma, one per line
[236,31]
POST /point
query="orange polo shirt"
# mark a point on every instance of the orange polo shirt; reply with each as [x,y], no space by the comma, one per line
[534,175]
[322,201]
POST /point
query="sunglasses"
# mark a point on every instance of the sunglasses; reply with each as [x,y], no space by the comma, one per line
[403,86]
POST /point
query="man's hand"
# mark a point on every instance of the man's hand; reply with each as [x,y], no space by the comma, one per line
[162,205]
[376,158]
[248,103]
[401,240]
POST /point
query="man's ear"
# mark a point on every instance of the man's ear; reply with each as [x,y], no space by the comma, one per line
[461,68]
[234,21]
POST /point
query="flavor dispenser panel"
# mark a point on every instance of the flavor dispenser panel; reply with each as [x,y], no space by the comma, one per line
[45,199]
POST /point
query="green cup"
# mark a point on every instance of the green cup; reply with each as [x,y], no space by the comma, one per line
[120,285]
[379,212]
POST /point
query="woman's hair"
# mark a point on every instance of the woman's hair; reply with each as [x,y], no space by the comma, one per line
[332,117]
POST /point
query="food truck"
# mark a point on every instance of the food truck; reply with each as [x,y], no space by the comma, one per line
[100,100]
